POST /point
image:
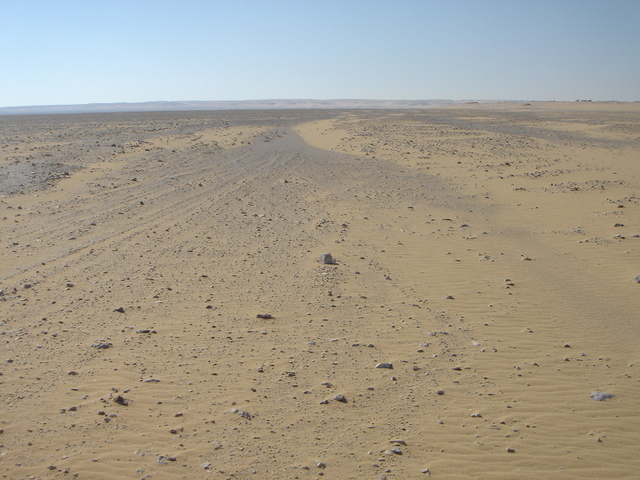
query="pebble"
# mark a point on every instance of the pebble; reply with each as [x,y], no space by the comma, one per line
[206,465]
[340,398]
[385,365]
[601,396]
[101,345]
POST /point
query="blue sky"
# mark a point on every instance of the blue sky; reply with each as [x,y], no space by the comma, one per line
[92,51]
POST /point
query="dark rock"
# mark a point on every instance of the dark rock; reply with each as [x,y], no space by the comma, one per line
[327,259]
[119,310]
[601,396]
[385,365]
[265,316]
[120,400]
[340,398]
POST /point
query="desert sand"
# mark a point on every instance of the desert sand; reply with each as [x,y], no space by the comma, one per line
[164,313]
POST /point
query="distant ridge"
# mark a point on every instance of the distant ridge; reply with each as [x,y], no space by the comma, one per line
[224,105]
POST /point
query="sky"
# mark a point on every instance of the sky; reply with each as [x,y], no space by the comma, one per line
[56,52]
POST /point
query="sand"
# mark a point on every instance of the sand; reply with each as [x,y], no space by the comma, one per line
[488,252]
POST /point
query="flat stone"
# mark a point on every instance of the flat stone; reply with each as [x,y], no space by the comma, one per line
[601,396]
[385,365]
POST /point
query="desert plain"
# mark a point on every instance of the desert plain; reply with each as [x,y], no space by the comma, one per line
[164,312]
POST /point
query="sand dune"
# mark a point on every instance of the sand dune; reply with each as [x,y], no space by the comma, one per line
[164,313]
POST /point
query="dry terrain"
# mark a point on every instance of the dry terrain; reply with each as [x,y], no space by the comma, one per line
[164,313]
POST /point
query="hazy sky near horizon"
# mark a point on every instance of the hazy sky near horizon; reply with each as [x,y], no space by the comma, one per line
[92,51]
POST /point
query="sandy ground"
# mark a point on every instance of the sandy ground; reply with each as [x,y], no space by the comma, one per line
[164,313]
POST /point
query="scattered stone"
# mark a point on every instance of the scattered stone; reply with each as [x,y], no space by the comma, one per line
[120,400]
[601,396]
[101,345]
[321,464]
[637,278]
[119,310]
[511,450]
[440,392]
[396,451]
[143,330]
[327,259]
[265,316]
[340,398]
[206,465]
[476,415]
[72,372]
[385,365]
[399,442]
[150,380]
[449,297]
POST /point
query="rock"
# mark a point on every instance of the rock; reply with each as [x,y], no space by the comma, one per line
[440,392]
[326,258]
[206,465]
[385,365]
[265,316]
[637,278]
[101,345]
[340,398]
[511,450]
[119,310]
[321,464]
[151,380]
[601,396]
[426,471]
[120,400]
